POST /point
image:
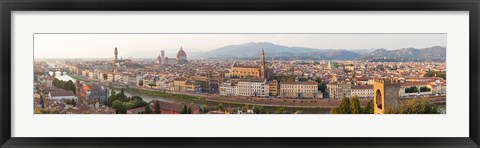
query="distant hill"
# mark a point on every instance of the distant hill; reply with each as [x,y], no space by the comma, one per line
[253,49]
[362,51]
[435,53]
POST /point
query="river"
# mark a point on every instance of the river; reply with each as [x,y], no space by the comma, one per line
[63,77]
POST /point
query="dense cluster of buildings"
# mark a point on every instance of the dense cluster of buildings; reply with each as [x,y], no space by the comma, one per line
[89,98]
[252,78]
[343,85]
[256,81]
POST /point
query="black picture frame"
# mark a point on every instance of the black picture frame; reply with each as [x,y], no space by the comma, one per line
[7,6]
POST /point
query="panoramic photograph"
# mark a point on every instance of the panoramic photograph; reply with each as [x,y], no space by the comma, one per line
[244,73]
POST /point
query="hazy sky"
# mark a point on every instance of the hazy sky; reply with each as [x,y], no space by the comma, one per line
[150,45]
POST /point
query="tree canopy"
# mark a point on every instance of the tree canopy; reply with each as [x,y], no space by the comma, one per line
[433,73]
[121,102]
[414,106]
[352,106]
[66,85]
[156,106]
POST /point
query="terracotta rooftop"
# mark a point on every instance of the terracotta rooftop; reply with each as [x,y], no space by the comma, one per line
[180,79]
[136,109]
[178,107]
[415,83]
[61,92]
[246,66]
[362,87]
[362,78]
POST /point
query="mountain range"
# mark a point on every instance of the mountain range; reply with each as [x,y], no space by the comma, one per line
[252,50]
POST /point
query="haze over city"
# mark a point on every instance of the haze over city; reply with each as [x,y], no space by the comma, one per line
[150,45]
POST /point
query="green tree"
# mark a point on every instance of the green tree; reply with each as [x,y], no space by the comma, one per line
[121,96]
[323,87]
[205,108]
[74,103]
[127,106]
[334,111]
[113,93]
[152,85]
[424,89]
[415,106]
[259,110]
[355,107]
[189,110]
[220,106]
[71,86]
[368,107]
[122,92]
[432,73]
[302,79]
[156,106]
[41,101]
[281,110]
[147,110]
[138,101]
[118,106]
[64,85]
[184,110]
[111,98]
[414,89]
[344,107]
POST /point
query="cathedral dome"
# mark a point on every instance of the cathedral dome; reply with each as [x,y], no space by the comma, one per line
[181,55]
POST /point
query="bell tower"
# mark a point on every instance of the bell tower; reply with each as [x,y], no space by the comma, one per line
[262,66]
[116,55]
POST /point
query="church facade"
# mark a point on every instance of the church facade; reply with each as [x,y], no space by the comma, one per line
[243,71]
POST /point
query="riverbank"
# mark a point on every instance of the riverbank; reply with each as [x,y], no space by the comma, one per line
[79,78]
[202,102]
[163,94]
[252,101]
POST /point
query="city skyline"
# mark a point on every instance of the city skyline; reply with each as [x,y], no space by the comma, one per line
[142,45]
[251,78]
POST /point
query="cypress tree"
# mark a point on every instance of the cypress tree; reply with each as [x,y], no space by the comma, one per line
[355,107]
[147,110]
[41,101]
[157,107]
[189,111]
[344,107]
[184,110]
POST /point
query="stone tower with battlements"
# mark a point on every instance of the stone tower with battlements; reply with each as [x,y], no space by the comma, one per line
[385,95]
